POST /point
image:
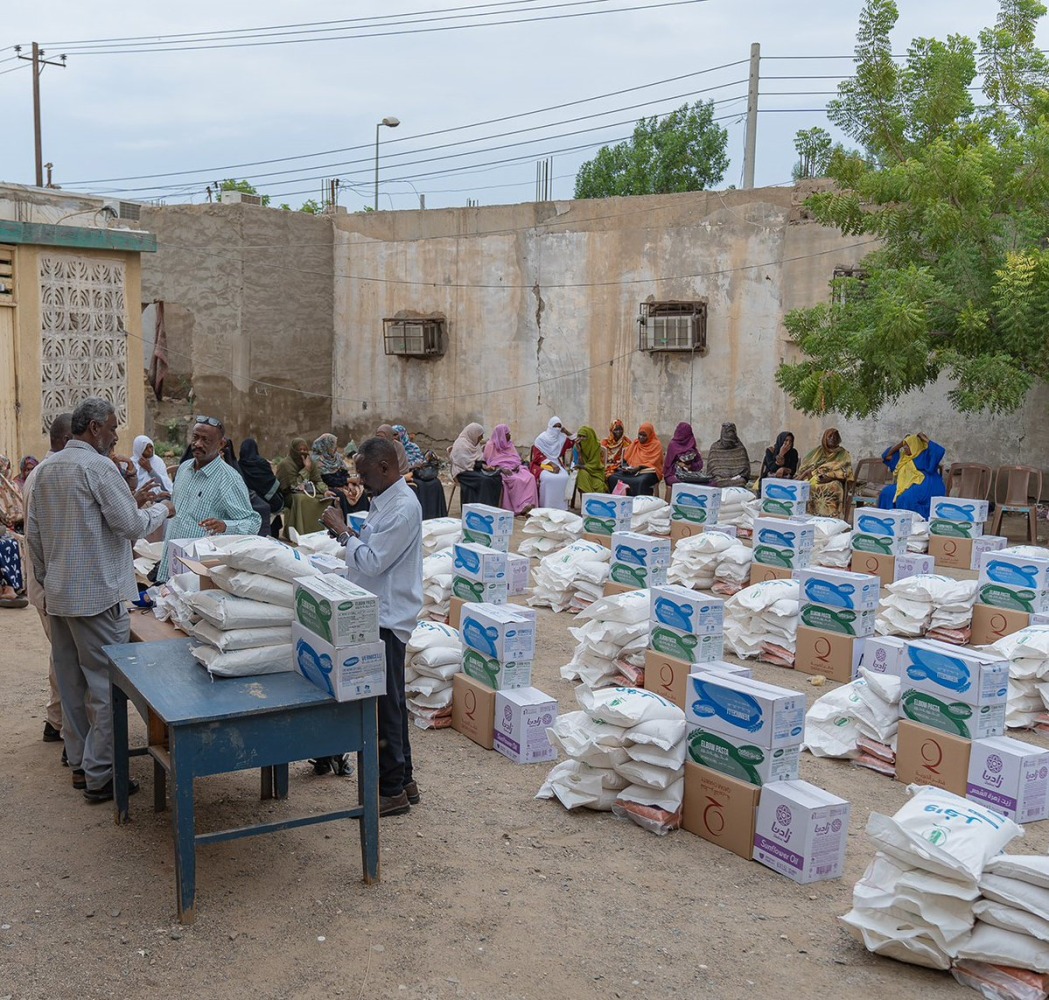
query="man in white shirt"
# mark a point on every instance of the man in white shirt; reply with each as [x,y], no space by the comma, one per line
[386,558]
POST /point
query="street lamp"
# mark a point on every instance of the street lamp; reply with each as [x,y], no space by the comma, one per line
[389,123]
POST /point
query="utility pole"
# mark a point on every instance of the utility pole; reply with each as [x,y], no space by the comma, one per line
[752,116]
[39,62]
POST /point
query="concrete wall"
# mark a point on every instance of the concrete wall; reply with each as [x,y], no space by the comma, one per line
[247,295]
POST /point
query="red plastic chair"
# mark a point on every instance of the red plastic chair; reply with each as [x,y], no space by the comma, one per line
[1015,481]
[970,480]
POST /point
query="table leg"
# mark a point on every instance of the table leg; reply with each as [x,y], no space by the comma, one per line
[121,770]
[368,790]
[160,787]
[280,781]
[184,828]
[266,774]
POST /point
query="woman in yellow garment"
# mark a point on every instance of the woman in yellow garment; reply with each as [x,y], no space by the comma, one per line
[828,468]
[915,463]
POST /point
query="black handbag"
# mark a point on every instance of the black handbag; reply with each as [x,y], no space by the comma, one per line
[697,478]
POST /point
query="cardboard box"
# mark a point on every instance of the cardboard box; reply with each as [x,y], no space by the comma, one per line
[954,673]
[762,574]
[801,831]
[796,534]
[838,588]
[720,529]
[685,529]
[879,545]
[605,540]
[499,631]
[605,513]
[926,756]
[951,553]
[635,577]
[356,522]
[643,551]
[346,673]
[991,624]
[723,667]
[181,550]
[789,490]
[707,498]
[611,588]
[325,563]
[913,564]
[499,543]
[687,610]
[478,562]
[338,611]
[518,571]
[883,654]
[1005,598]
[699,516]
[1020,572]
[686,646]
[720,809]
[667,676]
[522,718]
[206,580]
[835,656]
[1011,777]
[857,624]
[766,715]
[741,759]
[883,523]
[958,509]
[488,520]
[881,566]
[480,593]
[499,675]
[473,710]
[953,717]
[455,611]
[787,559]
[955,529]
[1040,619]
[782,508]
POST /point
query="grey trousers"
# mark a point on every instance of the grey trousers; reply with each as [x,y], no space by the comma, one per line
[83,681]
[54,701]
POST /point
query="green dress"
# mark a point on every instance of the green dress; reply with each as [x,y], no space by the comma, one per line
[591,464]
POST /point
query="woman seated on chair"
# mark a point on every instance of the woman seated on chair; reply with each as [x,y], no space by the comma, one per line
[614,447]
[520,493]
[828,468]
[915,464]
[590,463]
[642,467]
[781,458]
[327,457]
[258,476]
[303,489]
[727,460]
[149,467]
[476,483]
[550,453]
[684,463]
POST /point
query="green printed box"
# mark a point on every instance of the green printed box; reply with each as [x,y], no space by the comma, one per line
[955,718]
[844,621]
[338,611]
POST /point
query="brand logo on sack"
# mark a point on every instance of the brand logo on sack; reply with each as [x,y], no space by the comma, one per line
[822,648]
[713,817]
[932,756]
[470,705]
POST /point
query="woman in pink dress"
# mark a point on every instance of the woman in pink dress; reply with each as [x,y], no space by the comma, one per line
[520,493]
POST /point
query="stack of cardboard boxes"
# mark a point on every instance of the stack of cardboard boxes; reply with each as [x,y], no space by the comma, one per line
[480,575]
[780,546]
[1011,589]
[956,538]
[879,538]
[838,612]
[604,514]
[488,526]
[638,562]
[784,497]
[335,638]
[686,631]
[693,509]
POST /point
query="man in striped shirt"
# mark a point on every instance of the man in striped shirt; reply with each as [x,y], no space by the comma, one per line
[210,496]
[80,524]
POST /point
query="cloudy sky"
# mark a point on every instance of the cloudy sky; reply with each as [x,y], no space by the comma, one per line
[141,114]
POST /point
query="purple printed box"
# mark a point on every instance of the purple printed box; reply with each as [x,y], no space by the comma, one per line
[1011,777]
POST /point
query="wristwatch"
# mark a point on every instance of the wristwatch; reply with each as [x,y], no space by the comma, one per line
[344,538]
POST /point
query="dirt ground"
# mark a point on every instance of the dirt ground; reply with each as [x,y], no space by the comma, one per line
[486,892]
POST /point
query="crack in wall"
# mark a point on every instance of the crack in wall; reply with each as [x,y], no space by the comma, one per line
[540,305]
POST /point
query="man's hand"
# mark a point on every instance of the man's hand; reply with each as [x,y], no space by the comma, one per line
[213,526]
[150,493]
[333,520]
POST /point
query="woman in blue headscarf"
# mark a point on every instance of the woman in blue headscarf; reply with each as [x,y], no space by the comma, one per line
[915,463]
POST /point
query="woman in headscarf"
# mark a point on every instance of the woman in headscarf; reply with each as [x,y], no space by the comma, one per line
[781,458]
[387,432]
[12,579]
[429,491]
[12,510]
[411,449]
[303,489]
[520,492]
[643,463]
[591,463]
[828,468]
[727,460]
[614,447]
[915,463]
[332,467]
[548,465]
[259,478]
[476,483]
[149,466]
[682,455]
[27,465]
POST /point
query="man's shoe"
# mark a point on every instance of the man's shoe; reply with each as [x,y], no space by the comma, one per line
[105,793]
[79,780]
[412,791]
[51,735]
[393,805]
[65,759]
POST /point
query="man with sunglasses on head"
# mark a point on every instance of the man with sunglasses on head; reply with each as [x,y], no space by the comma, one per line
[210,496]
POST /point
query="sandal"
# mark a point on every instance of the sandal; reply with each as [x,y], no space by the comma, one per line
[13,602]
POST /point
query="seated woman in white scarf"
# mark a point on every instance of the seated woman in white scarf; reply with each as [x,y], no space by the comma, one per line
[548,464]
[148,465]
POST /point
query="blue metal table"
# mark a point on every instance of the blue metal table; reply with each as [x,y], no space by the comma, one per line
[199,726]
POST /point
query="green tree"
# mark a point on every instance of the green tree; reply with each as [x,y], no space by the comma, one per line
[953,201]
[311,207]
[232,184]
[815,148]
[682,151]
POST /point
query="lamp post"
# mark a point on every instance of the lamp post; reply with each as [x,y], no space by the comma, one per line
[389,123]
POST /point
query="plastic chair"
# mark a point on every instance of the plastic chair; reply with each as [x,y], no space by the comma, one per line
[1016,481]
[970,480]
[870,476]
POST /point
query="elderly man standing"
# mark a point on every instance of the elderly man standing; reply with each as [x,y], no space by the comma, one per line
[210,496]
[80,523]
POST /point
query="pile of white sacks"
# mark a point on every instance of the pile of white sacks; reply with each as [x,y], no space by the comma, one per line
[846,722]
[571,578]
[918,540]
[762,621]
[711,561]
[938,607]
[441,533]
[739,507]
[626,754]
[833,543]
[1028,654]
[548,530]
[651,516]
[437,584]
[432,657]
[612,642]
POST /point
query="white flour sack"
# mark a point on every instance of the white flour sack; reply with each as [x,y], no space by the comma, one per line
[433,656]
[867,707]
[225,611]
[1011,918]
[572,577]
[315,543]
[612,641]
[548,529]
[917,605]
[833,542]
[918,540]
[737,506]
[1030,868]
[655,810]
[1001,947]
[441,533]
[240,638]
[254,586]
[577,785]
[245,662]
[268,557]
[763,621]
[651,516]
[629,706]
[437,584]
[597,743]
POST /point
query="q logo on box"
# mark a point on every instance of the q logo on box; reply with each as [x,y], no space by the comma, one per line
[950,548]
[714,818]
[823,648]
[932,755]
[470,704]
[998,625]
[666,678]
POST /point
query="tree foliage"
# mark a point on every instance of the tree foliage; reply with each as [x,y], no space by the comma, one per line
[952,200]
[682,151]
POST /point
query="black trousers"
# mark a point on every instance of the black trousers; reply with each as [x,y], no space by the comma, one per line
[641,484]
[395,751]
